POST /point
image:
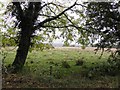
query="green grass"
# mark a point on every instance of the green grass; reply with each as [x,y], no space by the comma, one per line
[37,69]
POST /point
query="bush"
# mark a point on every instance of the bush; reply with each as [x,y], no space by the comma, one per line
[111,68]
[114,64]
[105,68]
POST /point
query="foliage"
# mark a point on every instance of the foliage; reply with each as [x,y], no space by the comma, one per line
[111,68]
[41,46]
[102,22]
[4,68]
[46,30]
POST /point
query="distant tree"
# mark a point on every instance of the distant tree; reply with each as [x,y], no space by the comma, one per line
[40,21]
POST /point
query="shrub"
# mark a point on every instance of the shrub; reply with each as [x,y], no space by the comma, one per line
[105,68]
[114,65]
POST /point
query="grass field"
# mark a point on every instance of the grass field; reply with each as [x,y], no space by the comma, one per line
[60,67]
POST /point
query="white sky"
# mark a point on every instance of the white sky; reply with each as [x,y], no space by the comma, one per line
[5,1]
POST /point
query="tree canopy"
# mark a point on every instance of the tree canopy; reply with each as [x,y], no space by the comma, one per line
[103,19]
[68,24]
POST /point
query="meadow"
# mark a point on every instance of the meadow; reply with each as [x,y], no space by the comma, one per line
[62,67]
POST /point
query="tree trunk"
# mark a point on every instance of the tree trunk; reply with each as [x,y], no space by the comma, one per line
[23,49]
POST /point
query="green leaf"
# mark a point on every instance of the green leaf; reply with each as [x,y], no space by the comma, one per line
[66,43]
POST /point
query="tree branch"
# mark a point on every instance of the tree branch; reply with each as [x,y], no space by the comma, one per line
[53,18]
[45,26]
[45,15]
[56,26]
[52,11]
[71,22]
[81,5]
[37,8]
[49,4]
[20,11]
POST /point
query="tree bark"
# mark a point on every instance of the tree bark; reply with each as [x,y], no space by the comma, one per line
[23,48]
